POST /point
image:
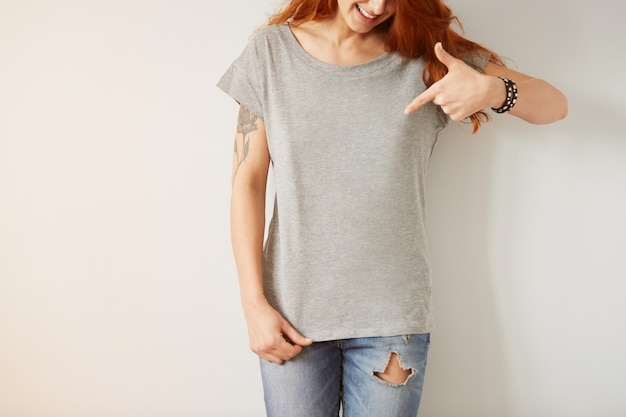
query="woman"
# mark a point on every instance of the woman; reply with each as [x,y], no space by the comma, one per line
[346,98]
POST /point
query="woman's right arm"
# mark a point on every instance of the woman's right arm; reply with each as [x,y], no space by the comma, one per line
[271,336]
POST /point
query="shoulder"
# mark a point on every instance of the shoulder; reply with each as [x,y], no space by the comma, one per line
[269,33]
[261,44]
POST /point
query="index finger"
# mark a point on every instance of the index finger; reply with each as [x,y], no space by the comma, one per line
[427,96]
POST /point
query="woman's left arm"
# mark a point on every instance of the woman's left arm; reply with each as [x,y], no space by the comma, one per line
[464,91]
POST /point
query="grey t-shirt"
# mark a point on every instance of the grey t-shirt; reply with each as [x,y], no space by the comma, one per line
[346,255]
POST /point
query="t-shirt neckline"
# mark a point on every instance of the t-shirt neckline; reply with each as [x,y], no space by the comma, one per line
[294,46]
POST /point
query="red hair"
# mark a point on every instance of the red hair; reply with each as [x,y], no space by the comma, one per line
[412,32]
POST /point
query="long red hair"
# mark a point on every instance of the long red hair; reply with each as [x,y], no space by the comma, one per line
[412,32]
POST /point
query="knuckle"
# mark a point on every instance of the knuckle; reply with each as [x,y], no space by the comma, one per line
[265,347]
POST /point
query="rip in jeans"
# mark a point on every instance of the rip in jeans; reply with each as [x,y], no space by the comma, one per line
[394,375]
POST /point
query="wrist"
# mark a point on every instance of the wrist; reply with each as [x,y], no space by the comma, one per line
[510,95]
[496,93]
[251,303]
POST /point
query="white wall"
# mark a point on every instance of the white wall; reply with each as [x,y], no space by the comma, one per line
[118,294]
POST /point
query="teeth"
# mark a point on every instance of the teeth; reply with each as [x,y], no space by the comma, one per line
[364,13]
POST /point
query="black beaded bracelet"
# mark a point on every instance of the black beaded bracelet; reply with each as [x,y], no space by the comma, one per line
[511,96]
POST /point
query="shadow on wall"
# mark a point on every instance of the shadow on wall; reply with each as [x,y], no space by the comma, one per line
[472,366]
[467,363]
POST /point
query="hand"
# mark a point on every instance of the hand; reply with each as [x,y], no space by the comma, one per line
[462,92]
[271,336]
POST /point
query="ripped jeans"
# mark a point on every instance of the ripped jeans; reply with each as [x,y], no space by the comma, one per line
[350,375]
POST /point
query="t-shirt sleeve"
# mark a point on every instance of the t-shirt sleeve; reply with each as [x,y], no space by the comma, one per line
[241,80]
[478,61]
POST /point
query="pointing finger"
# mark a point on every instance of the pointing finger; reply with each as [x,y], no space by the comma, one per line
[419,101]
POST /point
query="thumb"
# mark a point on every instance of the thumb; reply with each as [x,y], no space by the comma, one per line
[443,55]
[294,336]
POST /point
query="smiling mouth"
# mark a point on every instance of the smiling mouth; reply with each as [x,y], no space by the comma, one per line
[365,13]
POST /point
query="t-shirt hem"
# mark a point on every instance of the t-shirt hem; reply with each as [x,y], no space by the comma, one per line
[324,336]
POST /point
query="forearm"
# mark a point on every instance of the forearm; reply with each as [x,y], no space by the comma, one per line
[247,229]
[539,102]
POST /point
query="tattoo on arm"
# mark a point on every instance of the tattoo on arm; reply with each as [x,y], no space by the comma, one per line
[246,124]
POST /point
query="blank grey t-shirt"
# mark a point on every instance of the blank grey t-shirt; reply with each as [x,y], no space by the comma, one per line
[346,254]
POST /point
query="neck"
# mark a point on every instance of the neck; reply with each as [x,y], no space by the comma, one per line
[340,36]
[334,42]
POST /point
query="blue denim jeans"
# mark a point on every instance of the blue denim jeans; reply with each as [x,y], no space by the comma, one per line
[327,376]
